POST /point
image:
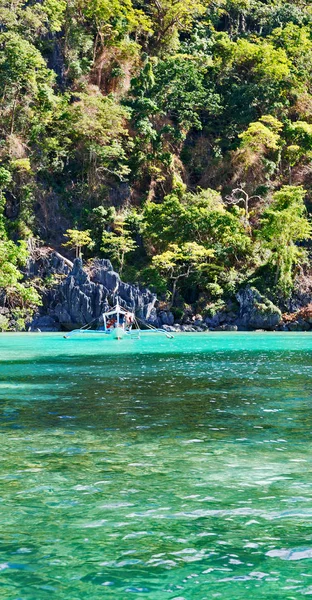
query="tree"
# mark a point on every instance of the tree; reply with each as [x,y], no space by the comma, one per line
[170,16]
[298,150]
[240,196]
[258,153]
[11,257]
[114,19]
[22,73]
[118,243]
[99,136]
[77,240]
[202,217]
[283,225]
[179,262]
[5,180]
[21,297]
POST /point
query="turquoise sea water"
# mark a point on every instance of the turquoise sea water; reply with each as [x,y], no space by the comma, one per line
[156,469]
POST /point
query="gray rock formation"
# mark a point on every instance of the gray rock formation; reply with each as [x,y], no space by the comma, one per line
[82,296]
[44,262]
[137,299]
[44,323]
[256,311]
[166,318]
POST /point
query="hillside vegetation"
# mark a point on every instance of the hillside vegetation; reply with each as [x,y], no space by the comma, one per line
[175,135]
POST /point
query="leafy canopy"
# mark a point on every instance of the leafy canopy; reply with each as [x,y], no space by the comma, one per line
[283,225]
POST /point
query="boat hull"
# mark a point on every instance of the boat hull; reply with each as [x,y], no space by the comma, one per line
[118,333]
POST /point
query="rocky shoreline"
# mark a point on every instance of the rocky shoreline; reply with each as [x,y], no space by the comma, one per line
[74,295]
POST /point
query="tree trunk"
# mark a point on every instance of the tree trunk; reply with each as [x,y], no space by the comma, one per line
[174,291]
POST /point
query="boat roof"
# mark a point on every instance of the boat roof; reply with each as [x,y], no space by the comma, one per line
[117,309]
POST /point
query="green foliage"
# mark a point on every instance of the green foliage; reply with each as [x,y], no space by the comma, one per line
[179,262]
[11,258]
[23,75]
[201,216]
[283,225]
[115,18]
[4,323]
[259,148]
[128,122]
[78,240]
[5,178]
[55,11]
[168,18]
[169,231]
[152,278]
[100,136]
[118,244]
[21,297]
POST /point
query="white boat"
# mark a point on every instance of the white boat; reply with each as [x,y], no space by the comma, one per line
[117,323]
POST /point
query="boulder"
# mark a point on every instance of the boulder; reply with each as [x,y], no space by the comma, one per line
[226,327]
[153,318]
[299,325]
[43,323]
[188,328]
[166,318]
[169,328]
[256,311]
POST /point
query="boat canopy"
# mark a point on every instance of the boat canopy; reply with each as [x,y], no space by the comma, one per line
[117,309]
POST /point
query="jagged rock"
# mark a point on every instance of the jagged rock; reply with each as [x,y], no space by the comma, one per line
[153,318]
[256,311]
[213,322]
[83,296]
[102,272]
[302,292]
[44,262]
[77,300]
[137,299]
[166,318]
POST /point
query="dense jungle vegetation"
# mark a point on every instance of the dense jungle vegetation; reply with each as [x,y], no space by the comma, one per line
[174,135]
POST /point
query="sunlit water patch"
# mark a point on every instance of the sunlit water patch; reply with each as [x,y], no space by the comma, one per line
[157,469]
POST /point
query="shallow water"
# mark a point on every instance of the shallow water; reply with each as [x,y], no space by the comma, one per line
[156,469]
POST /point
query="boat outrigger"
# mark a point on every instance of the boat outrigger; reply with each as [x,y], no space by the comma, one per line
[118,323]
